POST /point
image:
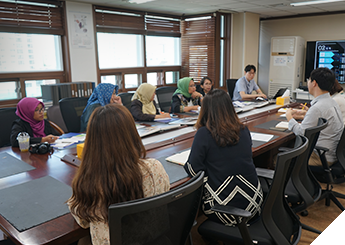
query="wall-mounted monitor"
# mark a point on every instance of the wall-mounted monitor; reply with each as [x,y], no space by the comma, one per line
[331,54]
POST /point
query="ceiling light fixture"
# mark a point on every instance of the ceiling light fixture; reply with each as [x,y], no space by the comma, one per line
[314,2]
[139,1]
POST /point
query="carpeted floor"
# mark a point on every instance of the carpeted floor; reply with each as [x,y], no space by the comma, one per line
[319,217]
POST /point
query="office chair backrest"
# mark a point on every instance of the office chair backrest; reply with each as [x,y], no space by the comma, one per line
[7,116]
[302,178]
[71,111]
[230,84]
[163,219]
[126,99]
[164,96]
[280,221]
[341,150]
[54,115]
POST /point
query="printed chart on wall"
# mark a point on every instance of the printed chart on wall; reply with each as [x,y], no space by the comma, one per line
[81,30]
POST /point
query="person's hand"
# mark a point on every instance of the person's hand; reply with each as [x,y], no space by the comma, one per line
[262,95]
[303,107]
[116,100]
[163,115]
[49,138]
[298,114]
[196,94]
[289,113]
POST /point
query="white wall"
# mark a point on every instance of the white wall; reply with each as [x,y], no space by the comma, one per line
[316,28]
[82,57]
[245,42]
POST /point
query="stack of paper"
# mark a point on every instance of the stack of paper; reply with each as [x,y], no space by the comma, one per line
[64,142]
[179,158]
[284,125]
[261,137]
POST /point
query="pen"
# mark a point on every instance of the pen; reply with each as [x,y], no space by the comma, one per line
[304,105]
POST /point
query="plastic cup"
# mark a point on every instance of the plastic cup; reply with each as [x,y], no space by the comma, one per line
[23,141]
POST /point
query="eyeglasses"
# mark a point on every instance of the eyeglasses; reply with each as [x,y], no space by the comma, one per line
[191,86]
[39,110]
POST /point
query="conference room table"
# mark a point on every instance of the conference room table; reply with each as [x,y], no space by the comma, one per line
[64,230]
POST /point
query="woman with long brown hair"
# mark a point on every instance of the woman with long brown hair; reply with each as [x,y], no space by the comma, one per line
[113,170]
[222,147]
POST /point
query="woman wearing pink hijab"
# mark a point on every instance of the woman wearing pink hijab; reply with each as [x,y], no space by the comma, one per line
[31,120]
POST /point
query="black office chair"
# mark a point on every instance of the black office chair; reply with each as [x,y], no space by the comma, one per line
[71,111]
[164,96]
[7,116]
[163,219]
[277,224]
[331,175]
[230,84]
[126,99]
[54,115]
[303,189]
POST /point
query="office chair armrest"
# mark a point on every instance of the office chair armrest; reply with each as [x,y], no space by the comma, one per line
[265,173]
[231,210]
[328,171]
[320,148]
[241,216]
[56,127]
[284,149]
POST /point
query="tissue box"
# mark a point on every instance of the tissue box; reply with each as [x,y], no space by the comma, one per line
[283,100]
[80,148]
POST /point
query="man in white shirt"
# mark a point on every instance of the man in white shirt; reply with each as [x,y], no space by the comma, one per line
[246,85]
[320,83]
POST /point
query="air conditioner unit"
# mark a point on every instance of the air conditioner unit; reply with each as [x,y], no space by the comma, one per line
[286,63]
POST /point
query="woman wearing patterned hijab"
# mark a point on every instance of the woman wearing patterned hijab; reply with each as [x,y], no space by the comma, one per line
[143,106]
[104,93]
[185,97]
[31,120]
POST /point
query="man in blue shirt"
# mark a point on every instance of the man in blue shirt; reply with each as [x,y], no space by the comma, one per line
[246,85]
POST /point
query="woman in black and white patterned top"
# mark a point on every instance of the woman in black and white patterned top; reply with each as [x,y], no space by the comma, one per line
[222,147]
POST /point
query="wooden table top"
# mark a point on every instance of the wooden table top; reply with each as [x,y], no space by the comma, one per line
[64,230]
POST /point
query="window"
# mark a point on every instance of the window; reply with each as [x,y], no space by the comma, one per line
[163,51]
[33,87]
[31,43]
[172,77]
[134,47]
[198,48]
[133,80]
[113,79]
[9,90]
[119,50]
[43,54]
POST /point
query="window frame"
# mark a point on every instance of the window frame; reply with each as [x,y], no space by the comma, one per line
[57,28]
[103,22]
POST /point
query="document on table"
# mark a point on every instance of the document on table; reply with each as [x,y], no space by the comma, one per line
[64,142]
[261,137]
[179,158]
[284,125]
[168,135]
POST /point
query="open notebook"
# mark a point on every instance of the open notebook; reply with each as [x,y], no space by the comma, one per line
[179,158]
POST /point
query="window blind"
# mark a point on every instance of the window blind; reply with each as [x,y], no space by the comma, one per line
[198,48]
[32,17]
[136,22]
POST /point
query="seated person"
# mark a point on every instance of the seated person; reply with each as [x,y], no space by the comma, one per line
[320,83]
[103,94]
[246,85]
[338,97]
[113,169]
[222,147]
[31,120]
[143,106]
[185,97]
[205,86]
